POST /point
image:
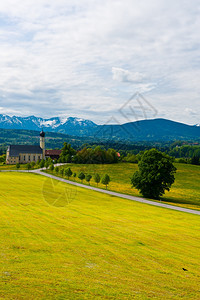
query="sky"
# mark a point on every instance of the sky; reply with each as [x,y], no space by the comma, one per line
[107,61]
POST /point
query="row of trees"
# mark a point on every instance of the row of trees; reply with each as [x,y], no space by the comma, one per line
[40,163]
[82,176]
[185,151]
[96,156]
[86,155]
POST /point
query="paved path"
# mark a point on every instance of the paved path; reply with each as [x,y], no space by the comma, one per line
[129,197]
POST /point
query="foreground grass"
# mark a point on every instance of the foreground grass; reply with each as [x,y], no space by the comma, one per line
[60,242]
[185,192]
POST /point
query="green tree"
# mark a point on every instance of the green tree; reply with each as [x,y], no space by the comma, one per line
[97,178]
[155,175]
[56,169]
[2,158]
[17,166]
[105,180]
[67,153]
[28,166]
[42,164]
[195,160]
[61,172]
[81,176]
[68,172]
[74,175]
[33,164]
[88,177]
[50,161]
[51,167]
[46,164]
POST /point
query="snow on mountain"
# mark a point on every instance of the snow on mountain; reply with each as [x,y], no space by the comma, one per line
[69,125]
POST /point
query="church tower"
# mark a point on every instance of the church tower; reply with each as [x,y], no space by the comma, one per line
[42,143]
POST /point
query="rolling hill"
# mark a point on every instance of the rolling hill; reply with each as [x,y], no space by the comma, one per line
[144,130]
[63,242]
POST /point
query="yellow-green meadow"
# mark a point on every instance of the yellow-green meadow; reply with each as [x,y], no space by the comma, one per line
[62,242]
[185,191]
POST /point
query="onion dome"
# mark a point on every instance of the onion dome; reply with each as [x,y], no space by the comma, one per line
[42,134]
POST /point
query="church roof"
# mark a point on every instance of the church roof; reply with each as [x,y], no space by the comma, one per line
[15,150]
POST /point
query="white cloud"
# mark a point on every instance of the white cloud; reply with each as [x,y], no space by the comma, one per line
[80,57]
[122,75]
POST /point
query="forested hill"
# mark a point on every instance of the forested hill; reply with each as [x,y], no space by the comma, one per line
[145,130]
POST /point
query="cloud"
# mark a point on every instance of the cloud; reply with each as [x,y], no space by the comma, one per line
[190,111]
[59,57]
[122,75]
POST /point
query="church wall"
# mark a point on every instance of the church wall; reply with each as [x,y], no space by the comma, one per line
[23,158]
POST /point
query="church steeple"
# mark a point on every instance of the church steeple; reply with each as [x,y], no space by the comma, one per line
[42,142]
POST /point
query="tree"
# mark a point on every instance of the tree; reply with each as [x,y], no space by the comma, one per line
[56,169]
[155,175]
[51,167]
[195,160]
[33,164]
[28,166]
[68,173]
[17,166]
[61,172]
[42,164]
[81,176]
[67,153]
[3,158]
[46,164]
[105,180]
[97,178]
[74,175]
[88,177]
[50,161]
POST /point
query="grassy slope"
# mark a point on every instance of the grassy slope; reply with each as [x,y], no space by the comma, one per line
[185,191]
[96,247]
[13,167]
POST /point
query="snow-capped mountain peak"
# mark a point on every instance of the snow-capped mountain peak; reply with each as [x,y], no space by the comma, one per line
[58,124]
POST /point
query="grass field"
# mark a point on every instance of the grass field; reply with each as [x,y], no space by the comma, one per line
[94,247]
[185,191]
[13,167]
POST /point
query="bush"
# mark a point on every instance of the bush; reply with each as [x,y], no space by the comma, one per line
[17,165]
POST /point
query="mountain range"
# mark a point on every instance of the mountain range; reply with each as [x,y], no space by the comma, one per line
[145,130]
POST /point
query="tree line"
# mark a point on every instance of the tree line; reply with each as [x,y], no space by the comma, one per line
[67,172]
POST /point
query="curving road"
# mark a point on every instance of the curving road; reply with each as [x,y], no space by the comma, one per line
[129,197]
